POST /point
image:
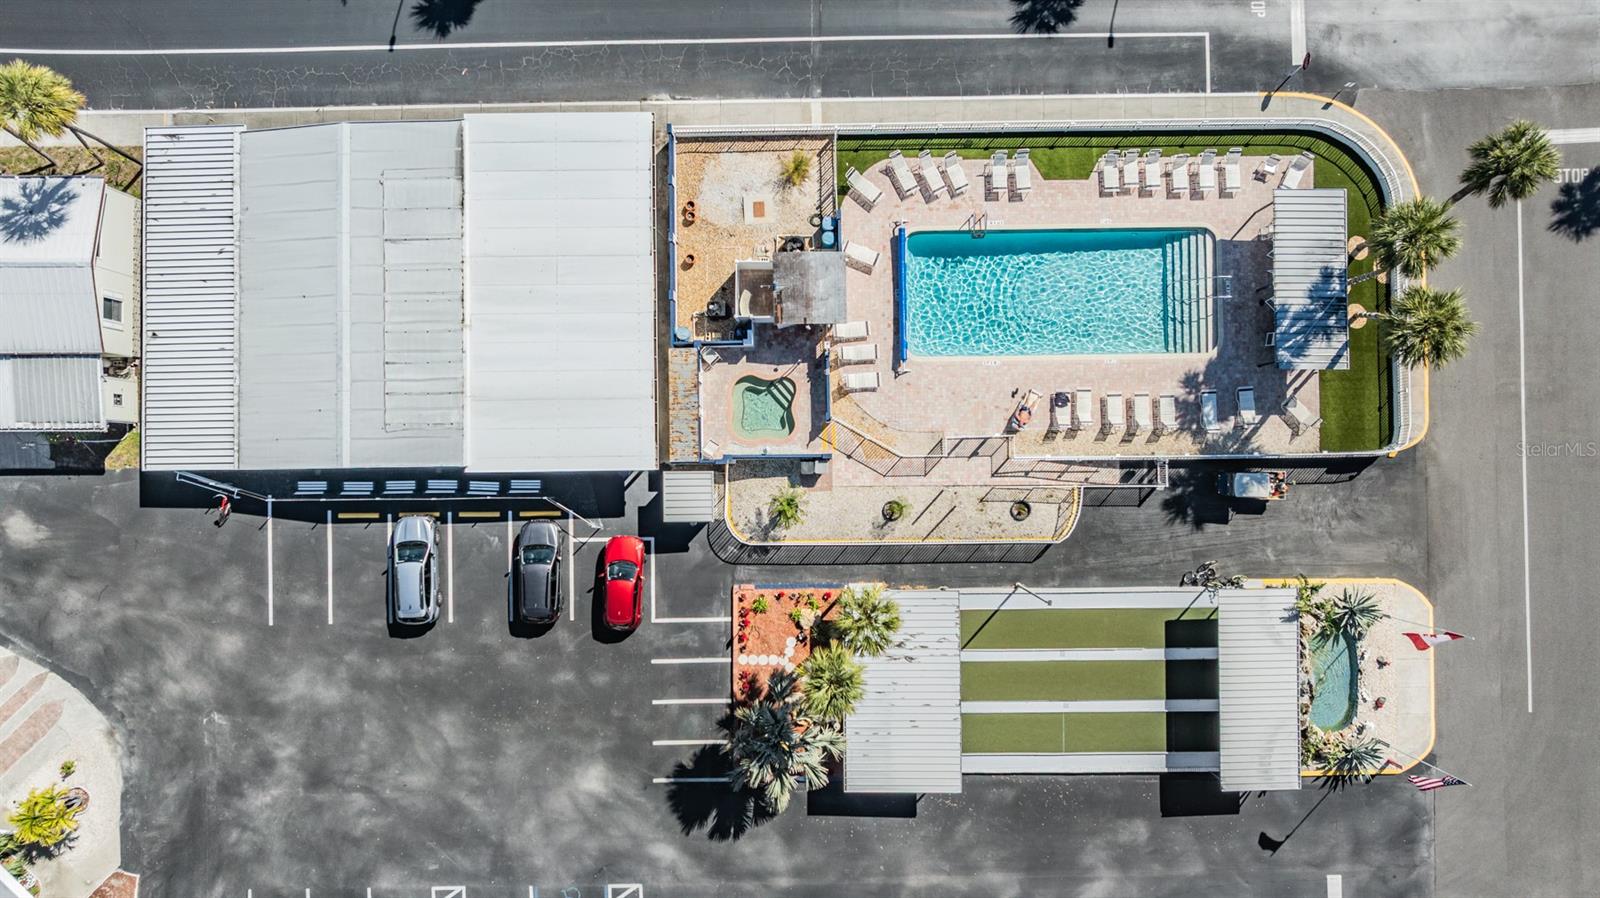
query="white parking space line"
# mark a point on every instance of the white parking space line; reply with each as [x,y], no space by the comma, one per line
[721,700]
[1335,885]
[1522,395]
[449,567]
[722,660]
[1574,135]
[651,576]
[329,527]
[1297,31]
[664,780]
[269,562]
[689,742]
[572,582]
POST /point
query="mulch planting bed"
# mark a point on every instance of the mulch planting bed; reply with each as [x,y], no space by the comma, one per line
[771,640]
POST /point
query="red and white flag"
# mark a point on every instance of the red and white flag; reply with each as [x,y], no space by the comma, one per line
[1430,783]
[1425,641]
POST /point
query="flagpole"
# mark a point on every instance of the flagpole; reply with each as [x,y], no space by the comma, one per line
[1425,763]
[1431,628]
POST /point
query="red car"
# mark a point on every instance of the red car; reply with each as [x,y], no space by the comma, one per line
[624,582]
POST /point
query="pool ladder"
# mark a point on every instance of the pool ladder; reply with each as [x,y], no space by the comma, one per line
[977,224]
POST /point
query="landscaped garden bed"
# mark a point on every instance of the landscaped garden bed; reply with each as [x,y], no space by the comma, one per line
[772,631]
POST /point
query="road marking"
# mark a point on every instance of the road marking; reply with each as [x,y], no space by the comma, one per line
[572,583]
[722,700]
[651,576]
[1335,886]
[660,780]
[722,660]
[1297,31]
[689,742]
[544,513]
[1574,135]
[269,561]
[449,568]
[329,528]
[621,42]
[1522,395]
[510,568]
[481,514]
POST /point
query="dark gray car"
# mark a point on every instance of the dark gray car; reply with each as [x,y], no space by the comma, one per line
[536,574]
[414,571]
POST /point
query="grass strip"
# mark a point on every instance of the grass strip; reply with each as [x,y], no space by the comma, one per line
[1083,681]
[1088,628]
[1091,732]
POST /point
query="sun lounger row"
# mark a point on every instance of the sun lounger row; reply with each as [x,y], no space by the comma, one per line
[1128,172]
[1077,411]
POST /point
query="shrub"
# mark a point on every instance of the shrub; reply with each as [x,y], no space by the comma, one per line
[795,615]
[1354,612]
[867,620]
[44,819]
[67,767]
[786,508]
[759,606]
[796,167]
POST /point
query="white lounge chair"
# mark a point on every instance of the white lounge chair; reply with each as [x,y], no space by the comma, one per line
[858,353]
[1268,167]
[1208,411]
[1110,180]
[954,174]
[1116,411]
[1021,172]
[862,257]
[1130,169]
[997,173]
[1231,179]
[1180,174]
[1167,412]
[851,330]
[1247,405]
[1152,171]
[900,173]
[932,178]
[865,192]
[1141,412]
[1297,170]
[1206,172]
[1060,411]
[1083,409]
[861,382]
[1300,418]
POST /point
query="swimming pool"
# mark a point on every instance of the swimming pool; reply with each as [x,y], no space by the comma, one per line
[762,408]
[1057,292]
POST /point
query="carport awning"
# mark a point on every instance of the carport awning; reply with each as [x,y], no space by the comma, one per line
[688,497]
[1309,283]
[1258,682]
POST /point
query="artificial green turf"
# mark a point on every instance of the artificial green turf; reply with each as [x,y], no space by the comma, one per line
[1077,681]
[1081,628]
[1356,405]
[1087,732]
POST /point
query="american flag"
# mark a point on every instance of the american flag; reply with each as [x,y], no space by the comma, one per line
[1429,783]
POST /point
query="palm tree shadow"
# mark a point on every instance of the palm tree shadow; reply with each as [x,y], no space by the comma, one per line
[442,17]
[725,814]
[39,208]
[1575,212]
[1044,16]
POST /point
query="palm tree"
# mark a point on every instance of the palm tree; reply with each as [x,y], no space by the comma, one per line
[1356,762]
[786,508]
[1354,613]
[44,818]
[772,748]
[867,620]
[1412,236]
[795,168]
[832,683]
[37,101]
[1512,164]
[1428,327]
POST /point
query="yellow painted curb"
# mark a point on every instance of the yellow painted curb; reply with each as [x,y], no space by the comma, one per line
[1433,680]
[1416,189]
[478,514]
[546,513]
[357,516]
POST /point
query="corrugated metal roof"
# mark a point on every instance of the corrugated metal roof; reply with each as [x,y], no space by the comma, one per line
[688,497]
[1258,678]
[350,296]
[560,297]
[50,393]
[1309,278]
[190,369]
[48,231]
[905,734]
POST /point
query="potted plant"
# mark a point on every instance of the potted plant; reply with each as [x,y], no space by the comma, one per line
[894,510]
[1020,510]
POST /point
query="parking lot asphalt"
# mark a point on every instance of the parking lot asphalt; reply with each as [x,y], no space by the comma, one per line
[267,760]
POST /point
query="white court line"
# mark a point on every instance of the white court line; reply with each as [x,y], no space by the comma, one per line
[1297,31]
[329,528]
[621,42]
[689,742]
[449,567]
[572,564]
[689,701]
[269,561]
[722,660]
[662,780]
[1522,395]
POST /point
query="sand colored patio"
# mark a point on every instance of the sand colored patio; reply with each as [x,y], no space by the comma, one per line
[931,397]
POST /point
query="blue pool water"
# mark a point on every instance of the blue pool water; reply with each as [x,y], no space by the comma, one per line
[1060,292]
[1335,690]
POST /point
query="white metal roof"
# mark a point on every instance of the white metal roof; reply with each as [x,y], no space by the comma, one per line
[688,497]
[49,228]
[560,292]
[50,393]
[1258,679]
[1309,278]
[905,733]
[190,367]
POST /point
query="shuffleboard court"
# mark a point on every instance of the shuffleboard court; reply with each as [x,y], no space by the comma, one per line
[1076,628]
